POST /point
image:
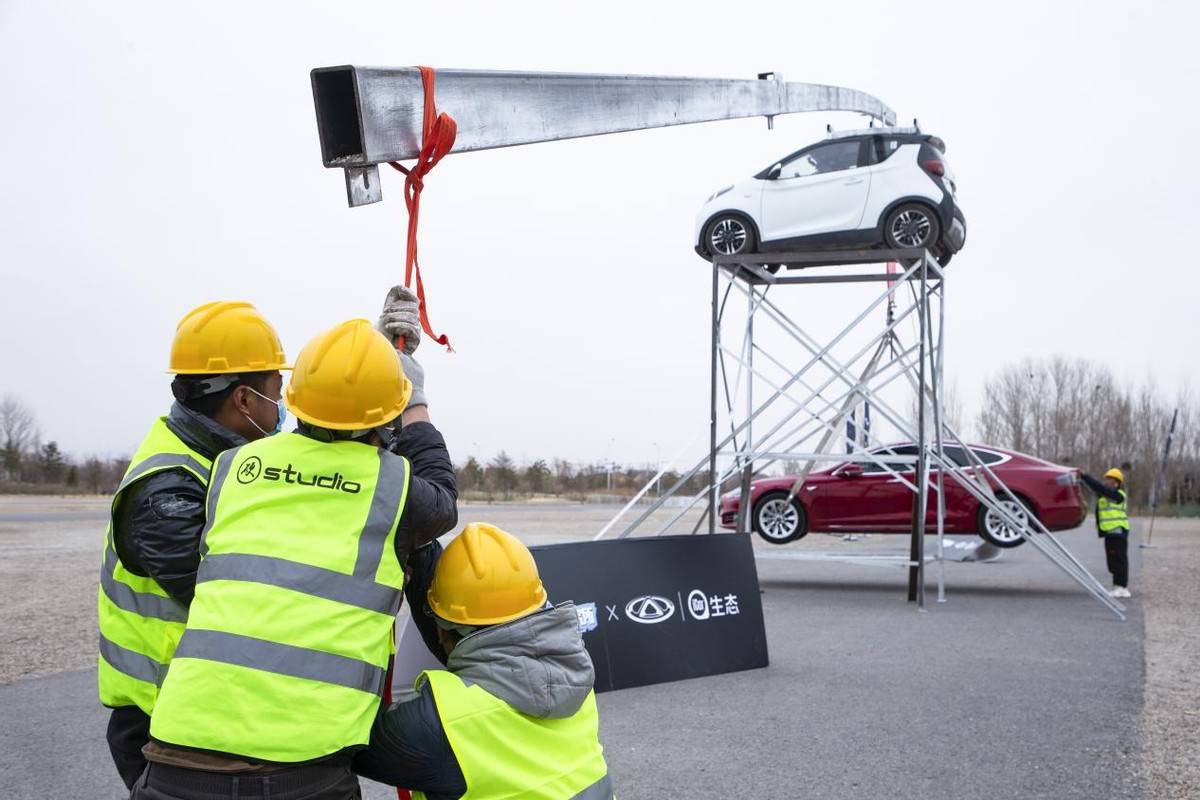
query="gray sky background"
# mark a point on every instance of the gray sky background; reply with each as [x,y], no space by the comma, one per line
[157,156]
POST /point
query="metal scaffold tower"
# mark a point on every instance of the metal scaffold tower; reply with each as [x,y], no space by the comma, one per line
[780,394]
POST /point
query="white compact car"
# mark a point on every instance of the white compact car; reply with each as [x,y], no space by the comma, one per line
[880,187]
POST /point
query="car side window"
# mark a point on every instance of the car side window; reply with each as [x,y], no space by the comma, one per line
[884,147]
[898,466]
[987,456]
[832,157]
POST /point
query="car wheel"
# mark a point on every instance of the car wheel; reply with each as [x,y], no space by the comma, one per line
[729,235]
[912,225]
[993,529]
[778,519]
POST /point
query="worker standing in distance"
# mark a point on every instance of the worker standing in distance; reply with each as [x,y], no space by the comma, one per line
[514,712]
[277,678]
[1112,524]
[226,360]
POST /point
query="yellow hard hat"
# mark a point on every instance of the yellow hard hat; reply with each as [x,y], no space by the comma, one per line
[485,577]
[225,337]
[348,378]
[1115,473]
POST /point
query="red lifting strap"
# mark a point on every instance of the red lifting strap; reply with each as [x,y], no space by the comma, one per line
[437,139]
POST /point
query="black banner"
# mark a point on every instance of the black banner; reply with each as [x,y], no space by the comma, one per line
[661,609]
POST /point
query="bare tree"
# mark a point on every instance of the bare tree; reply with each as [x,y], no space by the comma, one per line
[537,476]
[1076,412]
[93,475]
[18,433]
[502,474]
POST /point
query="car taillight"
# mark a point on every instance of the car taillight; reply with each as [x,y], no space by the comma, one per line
[934,167]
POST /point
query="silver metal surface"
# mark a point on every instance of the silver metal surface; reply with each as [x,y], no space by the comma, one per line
[370,115]
[363,186]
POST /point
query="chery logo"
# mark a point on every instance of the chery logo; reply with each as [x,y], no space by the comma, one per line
[649,609]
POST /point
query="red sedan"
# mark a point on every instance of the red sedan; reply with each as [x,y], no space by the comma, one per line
[865,497]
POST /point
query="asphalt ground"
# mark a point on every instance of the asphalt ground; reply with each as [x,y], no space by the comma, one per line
[1020,685]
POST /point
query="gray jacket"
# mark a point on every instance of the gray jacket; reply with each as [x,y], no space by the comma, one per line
[536,664]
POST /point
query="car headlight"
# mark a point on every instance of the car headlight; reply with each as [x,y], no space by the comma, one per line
[733,495]
[718,193]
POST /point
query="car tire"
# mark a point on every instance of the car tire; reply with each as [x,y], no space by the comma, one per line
[779,520]
[912,225]
[729,234]
[994,531]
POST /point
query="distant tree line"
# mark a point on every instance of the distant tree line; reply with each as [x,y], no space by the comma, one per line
[1068,411]
[29,465]
[501,478]
[1075,412]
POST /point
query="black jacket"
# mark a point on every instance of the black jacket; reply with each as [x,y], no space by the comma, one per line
[157,524]
[1098,486]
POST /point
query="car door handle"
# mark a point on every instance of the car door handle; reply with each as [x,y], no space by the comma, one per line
[852,181]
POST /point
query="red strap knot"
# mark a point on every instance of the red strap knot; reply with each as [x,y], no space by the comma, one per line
[437,139]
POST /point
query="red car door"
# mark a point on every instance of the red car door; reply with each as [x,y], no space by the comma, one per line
[868,500]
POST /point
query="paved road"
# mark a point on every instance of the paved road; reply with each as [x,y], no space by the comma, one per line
[1019,687]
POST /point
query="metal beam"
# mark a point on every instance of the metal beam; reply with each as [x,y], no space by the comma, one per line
[370,115]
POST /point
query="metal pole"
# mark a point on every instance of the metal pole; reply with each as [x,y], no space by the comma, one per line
[713,488]
[939,386]
[743,517]
[1158,480]
[916,569]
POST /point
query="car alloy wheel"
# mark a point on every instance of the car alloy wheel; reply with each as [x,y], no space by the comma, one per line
[999,529]
[727,237]
[911,228]
[778,519]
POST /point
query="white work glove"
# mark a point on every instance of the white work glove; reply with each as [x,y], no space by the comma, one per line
[416,375]
[401,317]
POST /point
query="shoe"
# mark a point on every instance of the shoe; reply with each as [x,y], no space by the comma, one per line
[1120,592]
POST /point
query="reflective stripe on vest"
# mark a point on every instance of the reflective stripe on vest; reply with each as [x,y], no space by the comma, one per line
[503,753]
[1111,516]
[140,624]
[287,644]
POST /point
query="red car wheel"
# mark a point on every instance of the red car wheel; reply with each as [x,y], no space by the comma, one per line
[995,529]
[778,519]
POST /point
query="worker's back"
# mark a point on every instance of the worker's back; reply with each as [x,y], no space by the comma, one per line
[517,707]
[289,635]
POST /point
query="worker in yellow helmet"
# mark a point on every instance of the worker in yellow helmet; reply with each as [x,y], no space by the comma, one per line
[1112,525]
[226,359]
[279,673]
[514,713]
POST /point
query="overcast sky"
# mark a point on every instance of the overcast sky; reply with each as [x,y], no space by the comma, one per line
[156,158]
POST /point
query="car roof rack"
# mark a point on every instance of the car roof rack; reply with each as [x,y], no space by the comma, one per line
[907,130]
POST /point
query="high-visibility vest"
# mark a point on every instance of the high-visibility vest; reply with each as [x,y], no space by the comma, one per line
[140,624]
[1111,515]
[503,753]
[290,630]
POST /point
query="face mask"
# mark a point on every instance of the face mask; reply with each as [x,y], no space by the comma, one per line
[281,414]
